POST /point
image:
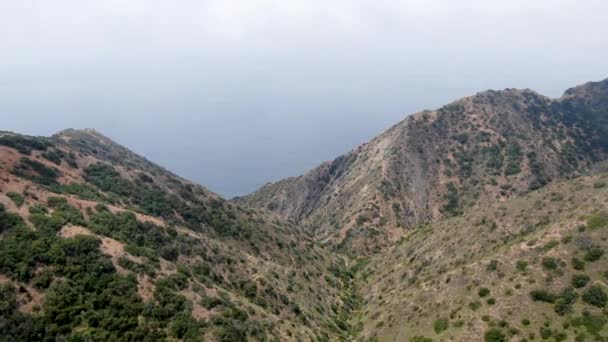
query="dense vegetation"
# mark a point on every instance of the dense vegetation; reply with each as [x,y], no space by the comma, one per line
[88,286]
[151,199]
[24,145]
[82,286]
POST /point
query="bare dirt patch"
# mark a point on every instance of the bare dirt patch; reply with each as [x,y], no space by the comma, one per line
[29,299]
[198,311]
[70,231]
[145,287]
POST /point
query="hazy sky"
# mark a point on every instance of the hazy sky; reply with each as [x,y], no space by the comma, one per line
[235,93]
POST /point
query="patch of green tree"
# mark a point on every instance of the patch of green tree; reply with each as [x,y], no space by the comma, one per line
[152,200]
[85,298]
[452,201]
[597,220]
[36,171]
[24,144]
[596,296]
[57,155]
[594,324]
[17,198]
[514,159]
[81,190]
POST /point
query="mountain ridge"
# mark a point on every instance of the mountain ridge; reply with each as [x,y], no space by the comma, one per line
[498,118]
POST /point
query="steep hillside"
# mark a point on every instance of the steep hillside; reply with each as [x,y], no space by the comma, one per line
[476,151]
[98,243]
[531,268]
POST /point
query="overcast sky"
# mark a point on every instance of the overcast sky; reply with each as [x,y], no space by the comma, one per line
[236,93]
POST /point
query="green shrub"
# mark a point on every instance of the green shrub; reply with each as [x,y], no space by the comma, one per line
[596,296]
[54,156]
[362,219]
[421,339]
[16,198]
[578,264]
[562,307]
[483,292]
[525,322]
[169,252]
[24,144]
[521,265]
[543,296]
[549,245]
[580,280]
[184,327]
[598,220]
[132,266]
[65,211]
[545,332]
[569,294]
[492,266]
[36,172]
[440,325]
[550,263]
[142,238]
[56,201]
[452,204]
[594,324]
[82,190]
[475,305]
[211,302]
[514,159]
[560,336]
[494,335]
[593,254]
[250,290]
[43,279]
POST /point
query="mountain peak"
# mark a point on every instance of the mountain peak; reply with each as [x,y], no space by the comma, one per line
[587,88]
[85,133]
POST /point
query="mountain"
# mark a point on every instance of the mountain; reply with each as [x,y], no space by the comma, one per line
[473,152]
[98,243]
[484,220]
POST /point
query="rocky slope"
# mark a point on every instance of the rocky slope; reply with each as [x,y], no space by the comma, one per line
[98,243]
[481,149]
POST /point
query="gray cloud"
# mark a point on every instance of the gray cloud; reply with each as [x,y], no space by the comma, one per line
[235,93]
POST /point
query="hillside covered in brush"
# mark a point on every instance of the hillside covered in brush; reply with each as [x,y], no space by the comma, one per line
[533,268]
[484,220]
[98,243]
[479,150]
